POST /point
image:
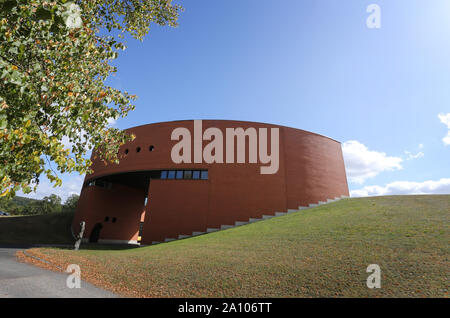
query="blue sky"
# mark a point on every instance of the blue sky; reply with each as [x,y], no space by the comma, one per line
[313,65]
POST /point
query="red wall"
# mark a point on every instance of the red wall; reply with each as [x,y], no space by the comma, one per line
[124,203]
[315,168]
[311,169]
[175,207]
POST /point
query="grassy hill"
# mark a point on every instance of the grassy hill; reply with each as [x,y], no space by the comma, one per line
[319,252]
[16,203]
[37,229]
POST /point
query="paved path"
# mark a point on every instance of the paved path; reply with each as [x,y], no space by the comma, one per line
[24,280]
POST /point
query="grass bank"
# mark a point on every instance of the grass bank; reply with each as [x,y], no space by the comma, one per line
[319,252]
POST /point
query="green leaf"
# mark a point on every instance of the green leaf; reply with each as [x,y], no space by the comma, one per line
[3,121]
[43,14]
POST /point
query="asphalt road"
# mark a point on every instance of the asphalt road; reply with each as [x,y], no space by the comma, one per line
[24,280]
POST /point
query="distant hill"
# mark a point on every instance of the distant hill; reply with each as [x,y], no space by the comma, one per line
[22,201]
[49,204]
[19,205]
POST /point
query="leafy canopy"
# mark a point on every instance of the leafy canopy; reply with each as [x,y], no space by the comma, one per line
[55,57]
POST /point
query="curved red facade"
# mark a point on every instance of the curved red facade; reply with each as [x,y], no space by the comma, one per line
[136,201]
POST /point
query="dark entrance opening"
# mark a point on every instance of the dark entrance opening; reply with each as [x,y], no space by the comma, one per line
[95,234]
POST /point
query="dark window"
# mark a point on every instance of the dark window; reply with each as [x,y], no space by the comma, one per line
[126,151]
[138,149]
[184,174]
[100,183]
[151,148]
[114,220]
[141,227]
[171,174]
[196,174]
[107,219]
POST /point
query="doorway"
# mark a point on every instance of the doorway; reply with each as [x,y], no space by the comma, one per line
[95,234]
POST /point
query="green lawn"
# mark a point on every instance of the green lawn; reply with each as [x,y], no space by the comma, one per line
[319,252]
[36,229]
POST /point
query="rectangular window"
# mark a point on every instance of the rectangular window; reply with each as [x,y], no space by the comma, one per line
[187,174]
[196,174]
[184,174]
[100,183]
[171,174]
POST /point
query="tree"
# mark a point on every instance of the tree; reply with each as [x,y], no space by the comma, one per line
[55,57]
[70,205]
[50,204]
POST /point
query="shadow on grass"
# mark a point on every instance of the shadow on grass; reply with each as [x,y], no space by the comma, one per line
[94,247]
[85,247]
[106,247]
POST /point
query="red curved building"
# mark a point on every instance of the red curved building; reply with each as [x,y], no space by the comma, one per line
[148,198]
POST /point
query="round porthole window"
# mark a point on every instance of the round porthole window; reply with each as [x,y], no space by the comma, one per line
[138,149]
[151,148]
[126,151]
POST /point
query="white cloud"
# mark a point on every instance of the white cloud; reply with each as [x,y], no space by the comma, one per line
[111,122]
[441,186]
[445,119]
[71,185]
[362,163]
[411,156]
